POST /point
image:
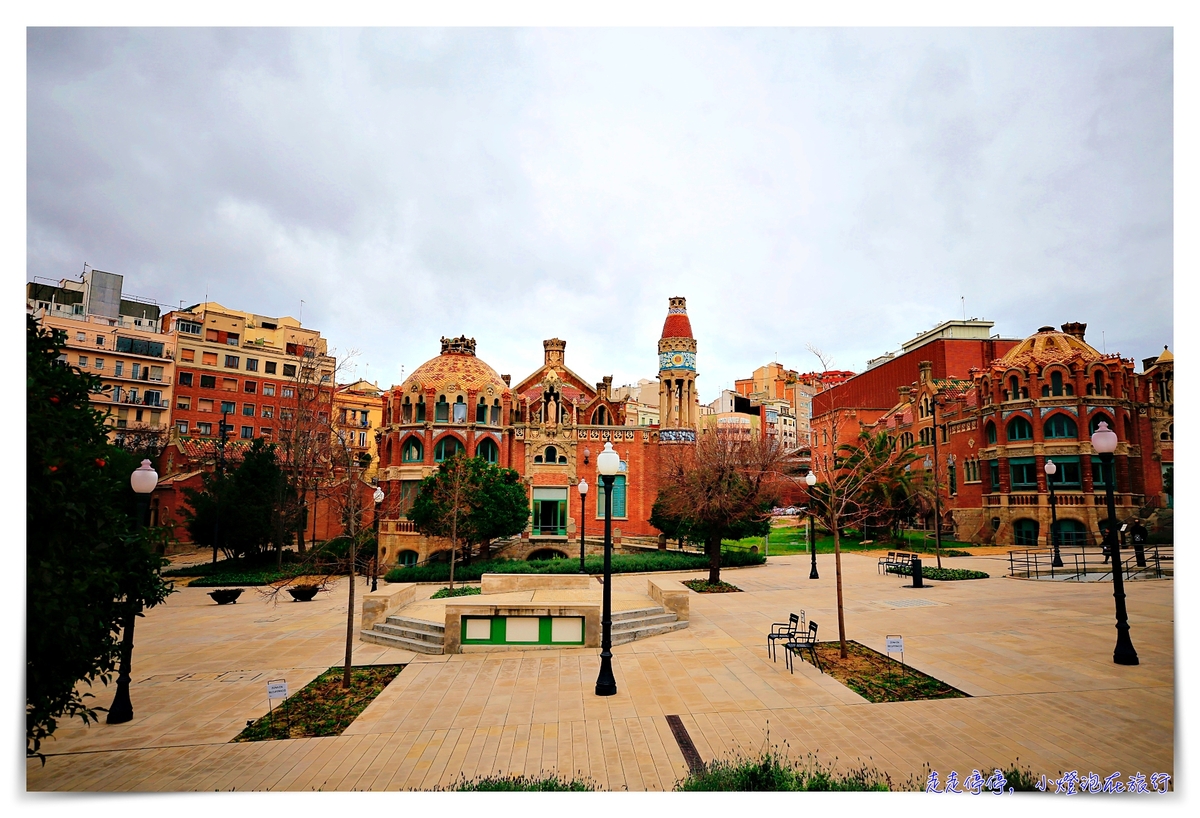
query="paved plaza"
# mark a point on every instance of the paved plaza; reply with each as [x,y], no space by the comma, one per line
[1035,658]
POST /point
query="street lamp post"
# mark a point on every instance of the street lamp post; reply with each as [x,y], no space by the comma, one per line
[1104,441]
[143,480]
[608,463]
[811,480]
[1051,470]
[378,498]
[583,490]
[937,488]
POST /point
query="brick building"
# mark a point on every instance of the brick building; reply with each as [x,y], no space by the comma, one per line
[357,414]
[549,427]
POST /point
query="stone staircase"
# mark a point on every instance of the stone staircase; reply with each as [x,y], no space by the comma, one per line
[628,626]
[408,634]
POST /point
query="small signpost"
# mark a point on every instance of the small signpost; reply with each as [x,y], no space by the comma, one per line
[277,689]
[895,644]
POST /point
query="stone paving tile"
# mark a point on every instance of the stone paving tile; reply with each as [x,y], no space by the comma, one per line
[1035,657]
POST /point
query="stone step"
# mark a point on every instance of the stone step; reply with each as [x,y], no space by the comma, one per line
[636,613]
[417,625]
[632,624]
[392,641]
[410,633]
[622,637]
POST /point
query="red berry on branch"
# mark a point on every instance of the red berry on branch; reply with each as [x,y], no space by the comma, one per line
[53,468]
[100,462]
[54,399]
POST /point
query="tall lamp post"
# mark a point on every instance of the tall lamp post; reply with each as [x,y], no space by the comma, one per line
[937,488]
[608,463]
[811,480]
[1104,441]
[1051,470]
[378,498]
[143,480]
[583,490]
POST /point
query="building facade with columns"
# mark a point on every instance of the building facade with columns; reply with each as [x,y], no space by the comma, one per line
[549,427]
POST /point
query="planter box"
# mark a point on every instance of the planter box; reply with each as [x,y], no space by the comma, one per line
[303,593]
[225,596]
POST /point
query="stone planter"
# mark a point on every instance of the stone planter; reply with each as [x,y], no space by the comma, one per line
[224,596]
[303,593]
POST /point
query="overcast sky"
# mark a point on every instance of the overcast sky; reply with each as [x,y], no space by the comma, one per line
[839,188]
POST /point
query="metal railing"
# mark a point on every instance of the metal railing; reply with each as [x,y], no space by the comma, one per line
[1089,563]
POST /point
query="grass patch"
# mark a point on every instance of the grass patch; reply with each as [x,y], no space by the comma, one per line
[621,564]
[945,574]
[542,782]
[792,539]
[703,586]
[323,708]
[878,678]
[462,590]
[263,577]
[773,771]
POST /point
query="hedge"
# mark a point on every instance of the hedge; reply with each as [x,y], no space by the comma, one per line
[621,564]
[939,573]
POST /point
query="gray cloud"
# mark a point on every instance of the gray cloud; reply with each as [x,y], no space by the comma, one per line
[836,187]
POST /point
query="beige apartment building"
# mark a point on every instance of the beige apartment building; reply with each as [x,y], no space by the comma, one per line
[117,338]
[357,416]
[641,402]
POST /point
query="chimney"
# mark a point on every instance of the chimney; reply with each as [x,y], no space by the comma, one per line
[1075,328]
[906,392]
[507,379]
[555,351]
[926,370]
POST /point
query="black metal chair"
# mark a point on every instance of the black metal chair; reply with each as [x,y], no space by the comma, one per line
[803,641]
[785,631]
[885,562]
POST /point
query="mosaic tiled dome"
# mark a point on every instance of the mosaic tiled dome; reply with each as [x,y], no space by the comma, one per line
[456,369]
[677,324]
[1048,346]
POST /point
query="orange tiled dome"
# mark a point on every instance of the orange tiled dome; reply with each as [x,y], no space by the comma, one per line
[1048,346]
[456,369]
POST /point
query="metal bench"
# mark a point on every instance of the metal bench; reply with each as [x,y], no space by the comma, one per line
[885,562]
[785,631]
[803,642]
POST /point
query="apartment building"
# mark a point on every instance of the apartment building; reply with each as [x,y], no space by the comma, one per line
[117,338]
[260,376]
[357,416]
[640,400]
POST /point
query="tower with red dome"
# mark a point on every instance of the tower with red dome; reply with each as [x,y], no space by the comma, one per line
[678,402]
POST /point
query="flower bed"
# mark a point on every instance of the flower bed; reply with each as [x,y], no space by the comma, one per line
[323,708]
[462,590]
[879,678]
[703,586]
[945,574]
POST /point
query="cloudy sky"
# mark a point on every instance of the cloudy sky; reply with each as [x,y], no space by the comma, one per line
[840,188]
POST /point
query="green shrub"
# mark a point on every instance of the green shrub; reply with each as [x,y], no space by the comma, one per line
[462,590]
[772,771]
[259,577]
[939,573]
[621,564]
[264,561]
[543,782]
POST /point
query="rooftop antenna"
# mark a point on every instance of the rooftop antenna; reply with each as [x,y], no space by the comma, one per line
[300,319]
[963,299]
[1103,343]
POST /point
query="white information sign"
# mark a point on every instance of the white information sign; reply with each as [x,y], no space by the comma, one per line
[277,690]
[895,644]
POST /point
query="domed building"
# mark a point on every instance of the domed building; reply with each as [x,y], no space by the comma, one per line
[1042,400]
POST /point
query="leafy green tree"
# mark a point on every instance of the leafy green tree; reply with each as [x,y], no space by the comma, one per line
[241,510]
[469,500]
[86,565]
[722,487]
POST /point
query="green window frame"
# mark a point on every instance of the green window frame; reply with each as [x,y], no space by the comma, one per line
[618,499]
[441,410]
[1060,425]
[1100,475]
[1068,473]
[1023,472]
[413,451]
[1019,428]
[446,448]
[1095,420]
[1025,532]
[498,631]
[991,432]
[488,450]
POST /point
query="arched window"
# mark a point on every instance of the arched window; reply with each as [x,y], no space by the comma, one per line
[1060,425]
[551,454]
[460,410]
[1056,384]
[1014,388]
[1025,532]
[413,451]
[1094,423]
[481,411]
[407,558]
[990,429]
[446,448]
[495,418]
[406,414]
[906,439]
[1097,382]
[488,450]
[1019,429]
[441,410]
[1071,532]
[600,417]
[421,409]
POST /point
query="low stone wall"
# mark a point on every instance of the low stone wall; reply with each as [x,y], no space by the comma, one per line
[378,605]
[507,583]
[672,595]
[456,609]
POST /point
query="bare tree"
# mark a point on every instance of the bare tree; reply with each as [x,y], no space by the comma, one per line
[723,486]
[850,477]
